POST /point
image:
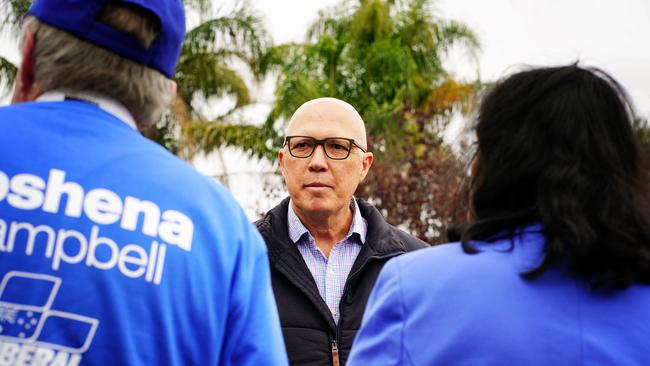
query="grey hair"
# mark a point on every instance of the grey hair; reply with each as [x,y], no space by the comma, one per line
[68,64]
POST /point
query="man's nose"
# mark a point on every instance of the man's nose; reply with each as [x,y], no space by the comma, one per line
[318,160]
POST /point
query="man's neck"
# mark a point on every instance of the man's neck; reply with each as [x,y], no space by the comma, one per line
[327,229]
[109,105]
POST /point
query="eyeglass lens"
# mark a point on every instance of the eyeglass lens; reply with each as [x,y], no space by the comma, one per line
[302,147]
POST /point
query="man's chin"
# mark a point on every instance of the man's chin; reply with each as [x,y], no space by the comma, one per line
[316,205]
[319,207]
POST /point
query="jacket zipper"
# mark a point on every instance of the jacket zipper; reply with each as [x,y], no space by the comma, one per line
[337,335]
[335,353]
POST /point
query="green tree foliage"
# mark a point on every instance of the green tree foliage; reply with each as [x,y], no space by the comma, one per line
[7,76]
[13,11]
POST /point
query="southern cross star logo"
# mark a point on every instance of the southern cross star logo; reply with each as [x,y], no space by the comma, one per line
[28,317]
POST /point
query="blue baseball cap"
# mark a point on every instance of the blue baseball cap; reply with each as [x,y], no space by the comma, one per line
[80,18]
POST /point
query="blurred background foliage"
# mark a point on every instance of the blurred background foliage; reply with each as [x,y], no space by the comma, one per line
[385,57]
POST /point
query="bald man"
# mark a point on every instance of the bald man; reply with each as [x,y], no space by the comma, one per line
[326,248]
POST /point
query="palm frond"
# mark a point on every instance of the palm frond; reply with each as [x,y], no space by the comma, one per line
[371,21]
[282,56]
[450,95]
[8,73]
[295,89]
[211,135]
[13,13]
[451,33]
[332,22]
[241,30]
[206,74]
[201,6]
[430,38]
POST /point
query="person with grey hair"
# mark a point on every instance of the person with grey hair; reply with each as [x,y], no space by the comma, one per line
[113,251]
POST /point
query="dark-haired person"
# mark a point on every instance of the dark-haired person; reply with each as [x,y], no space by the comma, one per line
[554,268]
[112,250]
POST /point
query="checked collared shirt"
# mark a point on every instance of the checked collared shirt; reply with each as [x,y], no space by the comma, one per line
[330,274]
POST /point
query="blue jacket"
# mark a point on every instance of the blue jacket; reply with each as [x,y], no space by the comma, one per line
[440,306]
[114,252]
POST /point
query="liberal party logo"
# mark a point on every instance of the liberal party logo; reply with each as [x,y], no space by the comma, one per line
[33,333]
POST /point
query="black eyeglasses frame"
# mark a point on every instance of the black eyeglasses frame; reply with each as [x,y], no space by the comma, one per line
[322,143]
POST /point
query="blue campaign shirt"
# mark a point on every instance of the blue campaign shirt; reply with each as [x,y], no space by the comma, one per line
[114,252]
[440,306]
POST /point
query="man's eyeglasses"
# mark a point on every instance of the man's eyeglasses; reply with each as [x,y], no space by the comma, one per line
[336,148]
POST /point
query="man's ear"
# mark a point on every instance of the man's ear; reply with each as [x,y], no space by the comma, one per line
[173,88]
[366,163]
[26,89]
[281,159]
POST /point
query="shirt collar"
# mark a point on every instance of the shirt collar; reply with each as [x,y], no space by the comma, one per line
[297,229]
[108,105]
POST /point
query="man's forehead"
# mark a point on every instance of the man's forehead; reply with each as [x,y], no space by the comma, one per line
[327,116]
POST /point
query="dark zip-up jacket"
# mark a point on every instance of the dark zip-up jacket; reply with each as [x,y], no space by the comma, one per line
[310,333]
